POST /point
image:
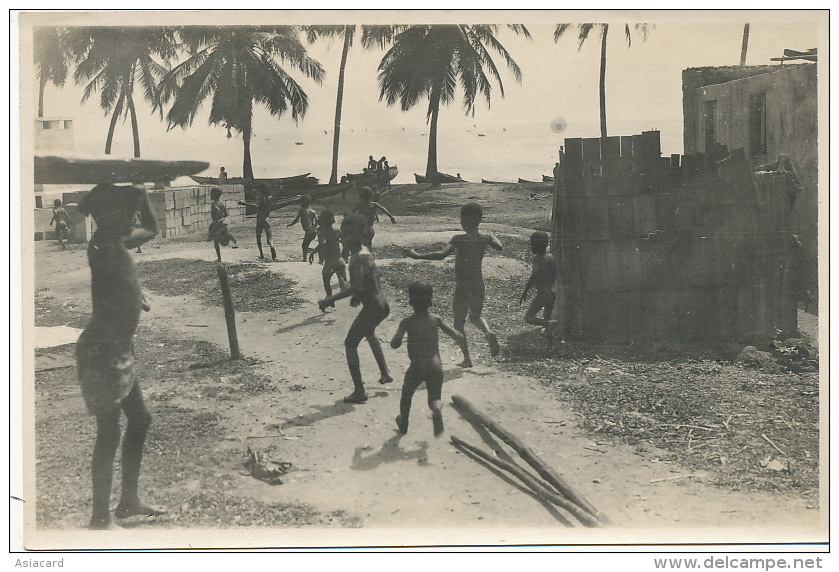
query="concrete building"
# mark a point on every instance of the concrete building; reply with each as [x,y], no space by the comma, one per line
[767,110]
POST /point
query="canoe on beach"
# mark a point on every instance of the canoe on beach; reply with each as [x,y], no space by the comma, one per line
[303,179]
[288,196]
[372,178]
[443,177]
[488,182]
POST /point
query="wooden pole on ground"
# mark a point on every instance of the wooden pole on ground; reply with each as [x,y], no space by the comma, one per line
[548,473]
[229,312]
[538,488]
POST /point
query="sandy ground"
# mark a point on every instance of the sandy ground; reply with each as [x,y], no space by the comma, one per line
[350,457]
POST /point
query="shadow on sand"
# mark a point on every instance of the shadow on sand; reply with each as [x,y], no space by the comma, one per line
[326,411]
[390,452]
[322,319]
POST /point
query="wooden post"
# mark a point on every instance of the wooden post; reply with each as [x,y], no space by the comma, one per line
[229,312]
[559,240]
[532,459]
[534,485]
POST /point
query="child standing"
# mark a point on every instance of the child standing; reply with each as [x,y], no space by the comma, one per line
[62,222]
[369,209]
[469,290]
[329,247]
[424,352]
[309,221]
[365,289]
[543,278]
[105,349]
[219,232]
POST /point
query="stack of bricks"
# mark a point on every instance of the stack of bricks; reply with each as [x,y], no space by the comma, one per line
[186,210]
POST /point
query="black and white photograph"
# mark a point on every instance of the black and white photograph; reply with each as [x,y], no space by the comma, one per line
[299,279]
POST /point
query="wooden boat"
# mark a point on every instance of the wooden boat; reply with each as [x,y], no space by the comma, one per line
[488,182]
[281,197]
[368,178]
[80,169]
[525,181]
[294,180]
[547,179]
[443,177]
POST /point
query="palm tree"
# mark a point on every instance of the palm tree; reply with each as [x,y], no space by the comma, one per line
[584,30]
[238,66]
[113,59]
[430,60]
[369,35]
[50,55]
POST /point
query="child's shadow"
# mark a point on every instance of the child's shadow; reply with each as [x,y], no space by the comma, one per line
[389,453]
[340,407]
[317,319]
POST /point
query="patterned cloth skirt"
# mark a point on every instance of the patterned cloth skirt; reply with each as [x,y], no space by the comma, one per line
[105,370]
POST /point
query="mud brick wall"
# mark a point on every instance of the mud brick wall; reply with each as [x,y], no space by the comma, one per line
[671,248]
[186,210]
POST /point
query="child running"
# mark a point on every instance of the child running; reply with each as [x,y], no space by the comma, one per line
[542,278]
[367,208]
[365,289]
[469,290]
[309,221]
[62,222]
[329,248]
[263,207]
[424,353]
[219,232]
[105,349]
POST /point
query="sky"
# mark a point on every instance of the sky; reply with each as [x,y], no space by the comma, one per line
[559,81]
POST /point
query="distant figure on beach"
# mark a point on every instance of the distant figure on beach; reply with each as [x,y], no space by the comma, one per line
[62,222]
[309,221]
[469,290]
[372,165]
[222,176]
[263,224]
[105,349]
[365,289]
[383,170]
[424,353]
[543,278]
[329,249]
[368,209]
[219,231]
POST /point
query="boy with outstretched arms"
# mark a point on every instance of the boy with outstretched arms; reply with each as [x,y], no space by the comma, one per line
[469,291]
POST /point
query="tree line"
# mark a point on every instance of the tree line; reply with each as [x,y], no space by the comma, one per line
[177,69]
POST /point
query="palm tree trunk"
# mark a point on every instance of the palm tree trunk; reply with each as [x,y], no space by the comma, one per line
[603,80]
[333,177]
[117,111]
[431,172]
[42,84]
[745,47]
[135,131]
[247,166]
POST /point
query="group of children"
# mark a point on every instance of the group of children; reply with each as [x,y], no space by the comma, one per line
[347,253]
[422,326]
[105,353]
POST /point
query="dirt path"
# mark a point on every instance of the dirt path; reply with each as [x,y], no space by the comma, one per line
[349,457]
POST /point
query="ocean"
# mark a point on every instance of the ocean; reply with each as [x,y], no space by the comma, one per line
[498,151]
